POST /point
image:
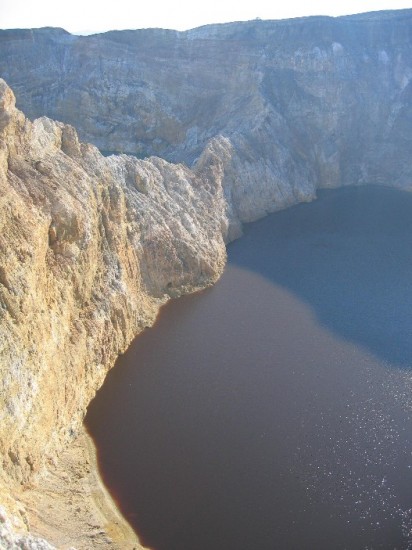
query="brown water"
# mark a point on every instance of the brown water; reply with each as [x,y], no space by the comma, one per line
[274,411]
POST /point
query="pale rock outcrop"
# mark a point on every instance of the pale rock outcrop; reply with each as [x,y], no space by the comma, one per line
[11,540]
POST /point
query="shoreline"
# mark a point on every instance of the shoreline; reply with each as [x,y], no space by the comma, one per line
[69,506]
[115,525]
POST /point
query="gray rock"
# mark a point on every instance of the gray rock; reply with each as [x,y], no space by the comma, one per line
[303,103]
[12,540]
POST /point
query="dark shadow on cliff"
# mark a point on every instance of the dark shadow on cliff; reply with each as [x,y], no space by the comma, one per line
[349,256]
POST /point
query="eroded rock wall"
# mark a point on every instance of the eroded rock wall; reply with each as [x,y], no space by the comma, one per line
[259,114]
[90,247]
[302,103]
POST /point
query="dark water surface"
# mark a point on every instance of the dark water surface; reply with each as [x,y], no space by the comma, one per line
[274,411]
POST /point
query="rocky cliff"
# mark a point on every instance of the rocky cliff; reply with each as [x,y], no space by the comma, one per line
[302,102]
[90,247]
[255,117]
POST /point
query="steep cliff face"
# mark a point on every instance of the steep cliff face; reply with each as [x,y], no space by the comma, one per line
[90,247]
[259,114]
[301,103]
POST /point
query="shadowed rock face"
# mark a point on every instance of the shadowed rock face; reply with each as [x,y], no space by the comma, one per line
[303,103]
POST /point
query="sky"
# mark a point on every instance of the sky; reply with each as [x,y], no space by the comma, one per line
[79,16]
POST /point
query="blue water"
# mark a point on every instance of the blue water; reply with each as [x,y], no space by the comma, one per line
[274,411]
